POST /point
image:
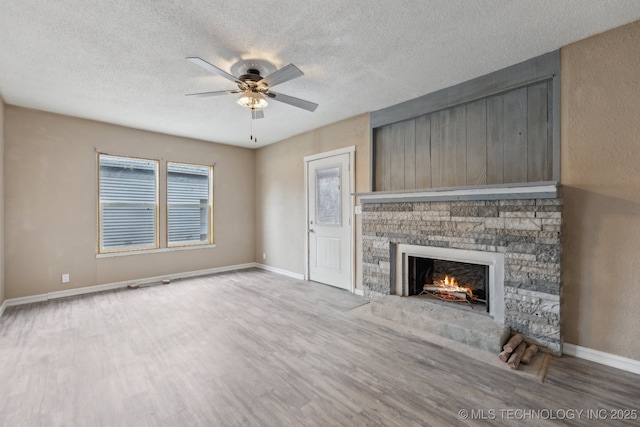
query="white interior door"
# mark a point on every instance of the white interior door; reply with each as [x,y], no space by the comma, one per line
[329,220]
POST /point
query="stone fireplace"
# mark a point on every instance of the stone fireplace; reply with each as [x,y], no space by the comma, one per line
[515,232]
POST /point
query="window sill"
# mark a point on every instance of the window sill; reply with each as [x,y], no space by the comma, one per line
[154,251]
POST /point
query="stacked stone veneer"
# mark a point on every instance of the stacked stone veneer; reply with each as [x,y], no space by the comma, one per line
[527,232]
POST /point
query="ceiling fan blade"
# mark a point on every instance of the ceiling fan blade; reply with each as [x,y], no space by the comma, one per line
[257,114]
[215,70]
[284,74]
[216,93]
[296,102]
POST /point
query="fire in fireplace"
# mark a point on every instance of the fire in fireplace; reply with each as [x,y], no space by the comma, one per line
[451,281]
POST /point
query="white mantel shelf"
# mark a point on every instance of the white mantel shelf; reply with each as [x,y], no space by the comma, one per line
[534,190]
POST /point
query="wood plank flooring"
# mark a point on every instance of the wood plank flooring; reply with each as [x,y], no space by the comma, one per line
[255,348]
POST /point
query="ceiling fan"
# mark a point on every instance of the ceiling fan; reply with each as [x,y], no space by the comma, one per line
[255,89]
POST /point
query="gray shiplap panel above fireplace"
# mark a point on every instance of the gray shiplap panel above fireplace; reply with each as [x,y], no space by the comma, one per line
[499,128]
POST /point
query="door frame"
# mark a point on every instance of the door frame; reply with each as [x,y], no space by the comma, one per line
[351,150]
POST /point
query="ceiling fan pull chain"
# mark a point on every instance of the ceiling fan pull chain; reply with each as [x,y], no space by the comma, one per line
[251,127]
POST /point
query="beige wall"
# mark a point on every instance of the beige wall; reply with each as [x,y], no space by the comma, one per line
[51,202]
[280,203]
[600,165]
[1,200]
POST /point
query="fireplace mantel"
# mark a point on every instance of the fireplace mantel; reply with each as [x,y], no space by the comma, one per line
[535,190]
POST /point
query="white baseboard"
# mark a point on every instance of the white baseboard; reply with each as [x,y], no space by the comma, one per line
[608,359]
[99,288]
[358,292]
[280,271]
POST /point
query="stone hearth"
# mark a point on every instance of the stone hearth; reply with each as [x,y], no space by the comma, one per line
[526,231]
[466,328]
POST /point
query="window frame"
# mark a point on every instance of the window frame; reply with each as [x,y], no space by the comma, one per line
[209,205]
[156,206]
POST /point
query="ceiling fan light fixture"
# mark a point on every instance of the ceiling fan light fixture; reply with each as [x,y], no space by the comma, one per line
[252,101]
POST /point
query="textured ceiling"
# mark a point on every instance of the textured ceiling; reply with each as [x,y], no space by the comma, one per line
[123,62]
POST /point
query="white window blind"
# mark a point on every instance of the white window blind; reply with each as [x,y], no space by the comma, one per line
[128,203]
[189,204]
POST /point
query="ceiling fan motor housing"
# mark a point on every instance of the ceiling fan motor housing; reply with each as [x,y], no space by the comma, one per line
[252,75]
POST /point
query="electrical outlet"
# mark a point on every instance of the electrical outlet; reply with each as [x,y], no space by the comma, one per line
[264,255]
[65,278]
[358,210]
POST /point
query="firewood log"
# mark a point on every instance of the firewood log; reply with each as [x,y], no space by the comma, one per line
[528,354]
[504,356]
[511,345]
[515,358]
[434,288]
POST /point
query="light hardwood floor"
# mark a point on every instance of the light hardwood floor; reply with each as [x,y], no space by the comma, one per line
[256,348]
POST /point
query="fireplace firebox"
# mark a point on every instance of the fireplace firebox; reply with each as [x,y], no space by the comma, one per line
[449,281]
[424,270]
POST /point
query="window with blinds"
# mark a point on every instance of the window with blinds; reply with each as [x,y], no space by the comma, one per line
[189,204]
[128,190]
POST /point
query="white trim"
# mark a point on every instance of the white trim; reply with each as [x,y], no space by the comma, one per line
[306,219]
[539,190]
[608,359]
[99,288]
[352,216]
[280,271]
[358,292]
[339,151]
[154,251]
